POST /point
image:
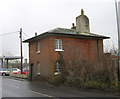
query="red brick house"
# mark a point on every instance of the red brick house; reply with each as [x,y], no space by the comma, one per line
[74,43]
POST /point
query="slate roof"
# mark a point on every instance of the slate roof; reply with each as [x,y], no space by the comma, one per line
[68,33]
[62,30]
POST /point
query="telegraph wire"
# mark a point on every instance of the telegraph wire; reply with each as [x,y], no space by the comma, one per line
[25,34]
[8,33]
[13,33]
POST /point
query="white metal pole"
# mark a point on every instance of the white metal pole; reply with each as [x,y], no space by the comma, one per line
[118,39]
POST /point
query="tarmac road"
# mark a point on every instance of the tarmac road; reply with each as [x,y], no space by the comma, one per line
[18,88]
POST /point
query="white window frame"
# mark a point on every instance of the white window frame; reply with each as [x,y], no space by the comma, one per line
[38,68]
[38,47]
[58,43]
[57,68]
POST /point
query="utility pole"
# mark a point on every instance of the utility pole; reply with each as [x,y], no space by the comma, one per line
[118,39]
[21,49]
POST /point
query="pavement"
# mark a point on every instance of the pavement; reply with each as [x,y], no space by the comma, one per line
[12,87]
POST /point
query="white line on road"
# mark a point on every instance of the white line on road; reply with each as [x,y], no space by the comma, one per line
[40,93]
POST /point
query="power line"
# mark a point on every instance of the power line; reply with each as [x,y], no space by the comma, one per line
[25,34]
[13,33]
[9,33]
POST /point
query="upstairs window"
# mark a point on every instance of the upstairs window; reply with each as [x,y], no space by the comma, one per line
[38,47]
[58,45]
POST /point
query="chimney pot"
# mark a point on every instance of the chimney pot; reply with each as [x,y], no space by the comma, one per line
[73,25]
[82,12]
[35,33]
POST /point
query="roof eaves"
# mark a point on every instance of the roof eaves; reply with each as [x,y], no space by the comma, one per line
[35,37]
[78,35]
[65,34]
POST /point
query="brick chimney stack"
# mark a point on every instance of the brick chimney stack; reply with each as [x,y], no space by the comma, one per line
[82,23]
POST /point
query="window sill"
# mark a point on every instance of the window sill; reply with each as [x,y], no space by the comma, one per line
[38,74]
[38,52]
[56,73]
[59,50]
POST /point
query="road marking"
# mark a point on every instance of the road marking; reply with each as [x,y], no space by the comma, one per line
[40,93]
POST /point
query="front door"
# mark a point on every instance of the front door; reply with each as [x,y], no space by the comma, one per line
[31,72]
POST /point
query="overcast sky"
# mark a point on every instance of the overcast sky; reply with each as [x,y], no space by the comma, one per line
[43,15]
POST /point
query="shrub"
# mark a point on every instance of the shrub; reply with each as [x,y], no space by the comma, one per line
[85,74]
[57,79]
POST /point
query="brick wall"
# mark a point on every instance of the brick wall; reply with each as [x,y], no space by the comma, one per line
[43,57]
[74,49]
[77,49]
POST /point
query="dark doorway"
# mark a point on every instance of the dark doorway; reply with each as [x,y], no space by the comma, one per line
[31,72]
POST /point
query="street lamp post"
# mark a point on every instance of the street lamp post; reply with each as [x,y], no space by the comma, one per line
[118,39]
